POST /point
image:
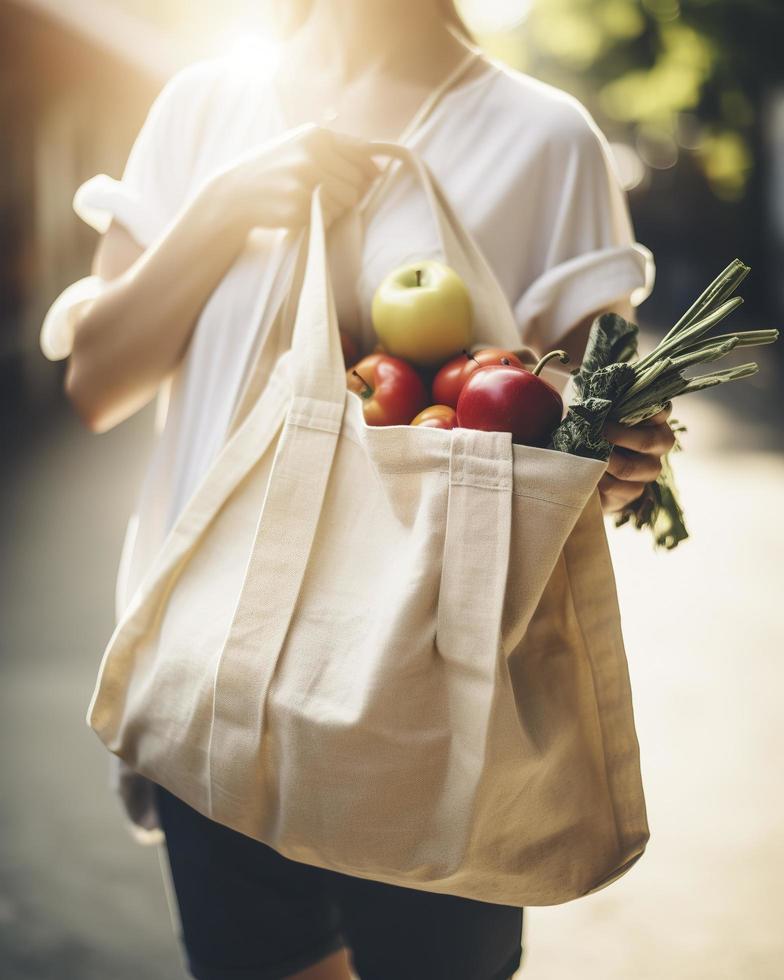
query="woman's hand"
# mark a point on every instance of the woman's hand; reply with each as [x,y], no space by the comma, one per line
[635,459]
[272,186]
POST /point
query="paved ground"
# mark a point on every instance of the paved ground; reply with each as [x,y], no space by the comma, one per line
[79,900]
[704,637]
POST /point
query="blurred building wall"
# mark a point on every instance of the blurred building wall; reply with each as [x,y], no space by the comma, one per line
[70,106]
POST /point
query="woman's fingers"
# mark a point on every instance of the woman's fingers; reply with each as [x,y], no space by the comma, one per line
[272,186]
[362,161]
[337,195]
[646,437]
[632,466]
[340,191]
[357,151]
[348,170]
[661,416]
[615,494]
[635,458]
[341,164]
[344,180]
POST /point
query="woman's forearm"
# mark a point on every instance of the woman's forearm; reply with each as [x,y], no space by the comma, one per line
[575,341]
[133,335]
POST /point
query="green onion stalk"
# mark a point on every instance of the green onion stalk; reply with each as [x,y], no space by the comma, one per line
[613,384]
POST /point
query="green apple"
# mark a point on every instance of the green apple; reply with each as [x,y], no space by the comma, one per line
[422,312]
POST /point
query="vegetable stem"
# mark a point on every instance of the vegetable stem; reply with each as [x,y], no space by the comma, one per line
[722,286]
[648,376]
[712,353]
[730,374]
[691,332]
[560,354]
[658,393]
[749,338]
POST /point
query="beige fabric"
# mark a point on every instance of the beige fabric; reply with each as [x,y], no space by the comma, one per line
[394,652]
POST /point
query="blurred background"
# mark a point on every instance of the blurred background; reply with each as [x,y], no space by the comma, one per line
[691,96]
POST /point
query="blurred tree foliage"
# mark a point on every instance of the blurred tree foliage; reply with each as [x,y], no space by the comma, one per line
[688,75]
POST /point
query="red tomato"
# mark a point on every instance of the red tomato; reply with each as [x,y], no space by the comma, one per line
[450,379]
[436,417]
[391,390]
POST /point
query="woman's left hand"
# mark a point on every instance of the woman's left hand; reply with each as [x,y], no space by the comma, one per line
[635,459]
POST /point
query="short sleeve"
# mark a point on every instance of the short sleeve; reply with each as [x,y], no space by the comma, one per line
[159,169]
[589,258]
[155,183]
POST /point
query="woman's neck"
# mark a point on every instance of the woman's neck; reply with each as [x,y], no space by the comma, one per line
[344,40]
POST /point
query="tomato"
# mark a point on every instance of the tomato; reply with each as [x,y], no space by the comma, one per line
[391,390]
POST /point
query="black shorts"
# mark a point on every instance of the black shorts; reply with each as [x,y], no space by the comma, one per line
[249,913]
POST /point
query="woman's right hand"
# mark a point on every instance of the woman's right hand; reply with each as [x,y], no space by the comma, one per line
[272,186]
[134,335]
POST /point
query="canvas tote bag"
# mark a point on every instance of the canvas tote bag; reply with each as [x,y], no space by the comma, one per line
[394,652]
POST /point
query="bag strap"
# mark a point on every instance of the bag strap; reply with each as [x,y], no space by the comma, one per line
[278,336]
[425,110]
[287,528]
[318,369]
[471,593]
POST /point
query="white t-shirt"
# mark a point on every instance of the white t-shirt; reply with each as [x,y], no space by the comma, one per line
[522,163]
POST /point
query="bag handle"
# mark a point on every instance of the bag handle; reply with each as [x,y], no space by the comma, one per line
[261,367]
[277,338]
[317,366]
[495,322]
[287,529]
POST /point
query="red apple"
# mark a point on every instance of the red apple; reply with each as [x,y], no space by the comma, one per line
[391,390]
[505,398]
[450,379]
[436,417]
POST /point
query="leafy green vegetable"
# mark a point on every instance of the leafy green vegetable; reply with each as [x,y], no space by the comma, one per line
[612,384]
[581,430]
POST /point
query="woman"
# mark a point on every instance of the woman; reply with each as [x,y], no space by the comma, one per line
[187,276]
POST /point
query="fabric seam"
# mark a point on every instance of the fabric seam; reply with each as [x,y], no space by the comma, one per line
[590,659]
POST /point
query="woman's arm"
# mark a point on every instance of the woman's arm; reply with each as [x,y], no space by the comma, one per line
[576,340]
[637,450]
[133,335]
